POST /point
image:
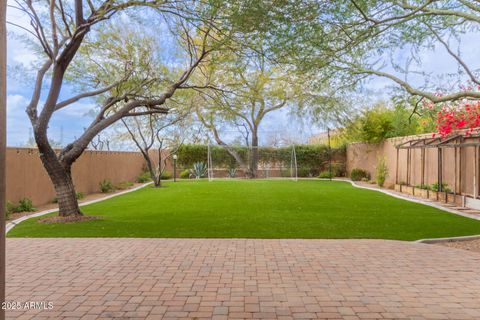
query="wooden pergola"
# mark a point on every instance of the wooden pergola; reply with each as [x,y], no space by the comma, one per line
[457,142]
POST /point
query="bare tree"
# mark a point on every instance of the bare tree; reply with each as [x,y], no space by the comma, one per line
[60,37]
[157,137]
[100,143]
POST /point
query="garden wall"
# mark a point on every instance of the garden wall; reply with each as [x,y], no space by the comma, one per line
[26,176]
[365,156]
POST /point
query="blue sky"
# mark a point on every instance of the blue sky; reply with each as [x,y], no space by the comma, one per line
[69,123]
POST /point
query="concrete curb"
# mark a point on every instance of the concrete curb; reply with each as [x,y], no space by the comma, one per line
[13,223]
[452,239]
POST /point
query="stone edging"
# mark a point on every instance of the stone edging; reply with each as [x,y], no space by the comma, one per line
[9,226]
[452,239]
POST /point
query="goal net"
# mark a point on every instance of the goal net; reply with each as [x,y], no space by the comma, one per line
[251,162]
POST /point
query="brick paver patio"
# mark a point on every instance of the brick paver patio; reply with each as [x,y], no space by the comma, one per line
[235,278]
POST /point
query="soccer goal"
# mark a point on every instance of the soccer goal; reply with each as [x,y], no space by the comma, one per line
[241,162]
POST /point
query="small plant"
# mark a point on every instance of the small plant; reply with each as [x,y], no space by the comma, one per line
[166,175]
[144,177]
[382,171]
[325,175]
[106,186]
[436,187]
[25,205]
[232,172]
[359,174]
[10,208]
[423,186]
[185,174]
[199,170]
[123,185]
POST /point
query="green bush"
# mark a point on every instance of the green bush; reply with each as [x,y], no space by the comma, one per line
[445,187]
[123,185]
[185,174]
[166,175]
[311,159]
[144,177]
[106,186]
[325,175]
[382,171]
[423,186]
[10,208]
[359,174]
[25,205]
[307,172]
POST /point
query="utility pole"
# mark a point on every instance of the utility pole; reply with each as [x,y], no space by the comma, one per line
[3,144]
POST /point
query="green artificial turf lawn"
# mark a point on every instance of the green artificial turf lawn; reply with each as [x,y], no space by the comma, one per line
[258,209]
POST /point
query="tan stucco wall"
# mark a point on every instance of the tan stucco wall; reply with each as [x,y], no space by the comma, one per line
[365,156]
[26,176]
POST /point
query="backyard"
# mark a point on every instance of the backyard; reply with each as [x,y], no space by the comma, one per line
[313,209]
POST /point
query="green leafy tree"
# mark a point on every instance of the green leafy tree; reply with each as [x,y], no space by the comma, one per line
[74,41]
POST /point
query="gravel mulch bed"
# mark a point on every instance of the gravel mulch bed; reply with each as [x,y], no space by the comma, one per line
[471,245]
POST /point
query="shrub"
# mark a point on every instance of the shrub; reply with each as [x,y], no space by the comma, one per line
[144,177]
[166,175]
[338,170]
[106,186]
[185,174]
[199,170]
[382,171]
[10,208]
[436,187]
[311,157]
[359,174]
[123,185]
[325,175]
[307,172]
[25,205]
[423,186]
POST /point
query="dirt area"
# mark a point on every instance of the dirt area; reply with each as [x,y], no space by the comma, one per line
[471,245]
[89,197]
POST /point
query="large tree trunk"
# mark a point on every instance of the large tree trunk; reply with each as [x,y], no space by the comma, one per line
[253,165]
[60,175]
[158,181]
